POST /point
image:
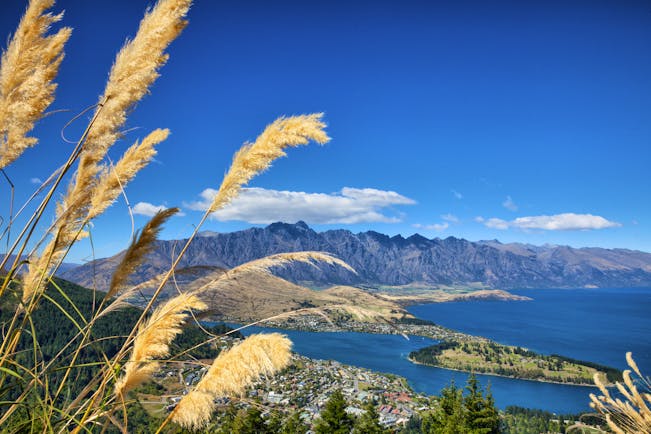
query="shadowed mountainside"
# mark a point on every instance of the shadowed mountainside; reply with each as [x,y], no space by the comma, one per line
[383,260]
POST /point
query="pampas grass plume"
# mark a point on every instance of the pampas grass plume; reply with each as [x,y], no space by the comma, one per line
[632,415]
[134,71]
[153,340]
[27,71]
[112,181]
[231,373]
[255,157]
[278,260]
[142,244]
[194,410]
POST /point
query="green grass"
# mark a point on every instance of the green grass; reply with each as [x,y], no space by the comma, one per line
[497,359]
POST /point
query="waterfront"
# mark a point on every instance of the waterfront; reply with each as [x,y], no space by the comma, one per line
[595,325]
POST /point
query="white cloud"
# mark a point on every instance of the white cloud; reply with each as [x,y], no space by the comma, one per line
[509,204]
[263,206]
[36,181]
[450,218]
[495,223]
[557,222]
[147,209]
[479,219]
[434,227]
[457,194]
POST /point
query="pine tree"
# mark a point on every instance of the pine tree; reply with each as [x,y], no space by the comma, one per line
[481,414]
[474,403]
[492,416]
[369,422]
[249,422]
[275,422]
[294,425]
[334,419]
[450,417]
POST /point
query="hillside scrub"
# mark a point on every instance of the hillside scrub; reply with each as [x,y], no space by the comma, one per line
[498,359]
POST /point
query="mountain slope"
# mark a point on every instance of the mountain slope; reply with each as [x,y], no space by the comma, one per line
[255,296]
[383,260]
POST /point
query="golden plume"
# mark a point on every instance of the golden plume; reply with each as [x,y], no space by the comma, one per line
[111,182]
[141,245]
[255,157]
[632,415]
[27,71]
[194,410]
[135,69]
[153,339]
[264,265]
[231,373]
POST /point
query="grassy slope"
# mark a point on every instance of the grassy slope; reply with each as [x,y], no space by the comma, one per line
[253,297]
[497,359]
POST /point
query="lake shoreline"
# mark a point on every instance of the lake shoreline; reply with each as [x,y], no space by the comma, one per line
[501,375]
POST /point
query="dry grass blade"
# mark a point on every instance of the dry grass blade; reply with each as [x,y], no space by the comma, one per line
[111,182]
[153,339]
[142,244]
[255,157]
[135,69]
[632,415]
[281,259]
[194,410]
[231,373]
[264,265]
[27,71]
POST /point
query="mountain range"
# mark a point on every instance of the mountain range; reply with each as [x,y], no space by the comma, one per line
[381,260]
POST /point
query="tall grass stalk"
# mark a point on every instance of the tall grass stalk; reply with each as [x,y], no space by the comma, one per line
[630,412]
[35,382]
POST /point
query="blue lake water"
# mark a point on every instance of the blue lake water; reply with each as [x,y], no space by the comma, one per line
[599,325]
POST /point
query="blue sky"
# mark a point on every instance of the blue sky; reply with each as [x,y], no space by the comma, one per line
[521,121]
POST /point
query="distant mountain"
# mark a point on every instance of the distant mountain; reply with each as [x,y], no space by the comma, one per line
[383,260]
[65,266]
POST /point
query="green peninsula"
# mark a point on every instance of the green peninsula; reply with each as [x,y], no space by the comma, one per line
[509,361]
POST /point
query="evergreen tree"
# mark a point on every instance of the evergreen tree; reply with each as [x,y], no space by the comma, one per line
[450,416]
[481,415]
[491,415]
[413,426]
[294,425]
[249,422]
[369,422]
[473,401]
[334,419]
[275,422]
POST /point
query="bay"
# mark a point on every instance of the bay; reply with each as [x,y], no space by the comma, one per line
[597,325]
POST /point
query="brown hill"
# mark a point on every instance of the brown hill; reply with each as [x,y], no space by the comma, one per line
[255,296]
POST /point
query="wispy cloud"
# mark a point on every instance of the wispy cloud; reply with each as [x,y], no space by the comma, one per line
[147,209]
[509,204]
[36,181]
[495,223]
[557,222]
[456,194]
[439,227]
[450,218]
[349,206]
